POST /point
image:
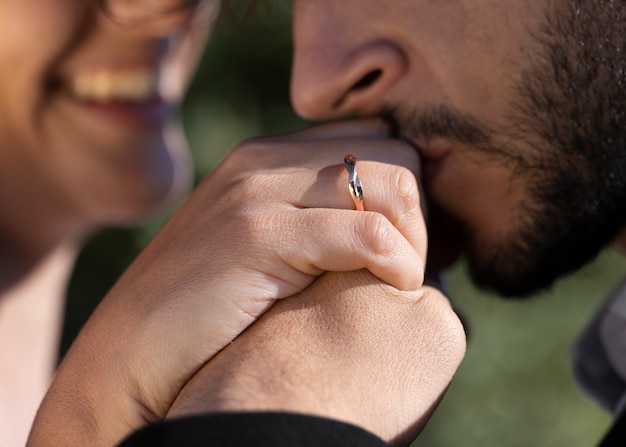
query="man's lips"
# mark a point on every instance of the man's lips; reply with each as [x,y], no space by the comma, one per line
[432,148]
[444,232]
[432,152]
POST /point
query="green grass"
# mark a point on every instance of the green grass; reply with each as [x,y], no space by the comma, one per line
[515,386]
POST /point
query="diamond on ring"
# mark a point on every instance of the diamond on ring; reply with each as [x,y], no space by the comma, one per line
[354,183]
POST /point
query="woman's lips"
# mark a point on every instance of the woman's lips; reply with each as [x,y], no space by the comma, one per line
[124,95]
[128,84]
[152,112]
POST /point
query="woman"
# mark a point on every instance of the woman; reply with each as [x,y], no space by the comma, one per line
[84,104]
[87,139]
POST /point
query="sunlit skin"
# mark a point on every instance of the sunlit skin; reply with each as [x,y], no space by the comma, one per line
[506,105]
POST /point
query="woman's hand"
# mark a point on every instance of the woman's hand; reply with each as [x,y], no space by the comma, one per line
[372,356]
[270,219]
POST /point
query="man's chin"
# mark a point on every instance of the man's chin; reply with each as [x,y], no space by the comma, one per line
[495,266]
[509,274]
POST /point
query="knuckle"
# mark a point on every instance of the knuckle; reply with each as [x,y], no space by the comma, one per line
[257,229]
[252,151]
[250,186]
[380,235]
[260,152]
[244,193]
[406,189]
[456,337]
[447,327]
[249,206]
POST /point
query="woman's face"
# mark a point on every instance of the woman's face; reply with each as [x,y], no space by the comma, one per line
[85,99]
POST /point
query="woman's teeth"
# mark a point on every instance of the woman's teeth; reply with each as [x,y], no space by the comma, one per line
[107,86]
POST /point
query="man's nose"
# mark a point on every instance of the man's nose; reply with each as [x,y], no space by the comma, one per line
[331,79]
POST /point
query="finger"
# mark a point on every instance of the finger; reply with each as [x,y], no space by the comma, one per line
[289,152]
[319,240]
[394,192]
[363,128]
[389,190]
[395,152]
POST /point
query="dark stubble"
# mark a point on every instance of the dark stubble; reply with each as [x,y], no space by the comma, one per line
[566,142]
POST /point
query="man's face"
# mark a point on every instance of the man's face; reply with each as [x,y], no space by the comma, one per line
[86,89]
[516,107]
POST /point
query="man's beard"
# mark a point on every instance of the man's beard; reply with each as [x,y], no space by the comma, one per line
[565,142]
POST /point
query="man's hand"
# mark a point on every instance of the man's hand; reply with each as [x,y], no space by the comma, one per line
[370,355]
[270,219]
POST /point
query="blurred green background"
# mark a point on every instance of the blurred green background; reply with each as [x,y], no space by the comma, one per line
[515,386]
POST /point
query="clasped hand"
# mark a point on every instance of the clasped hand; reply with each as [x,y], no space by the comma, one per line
[271,218]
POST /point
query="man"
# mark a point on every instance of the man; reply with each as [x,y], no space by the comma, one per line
[517,111]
